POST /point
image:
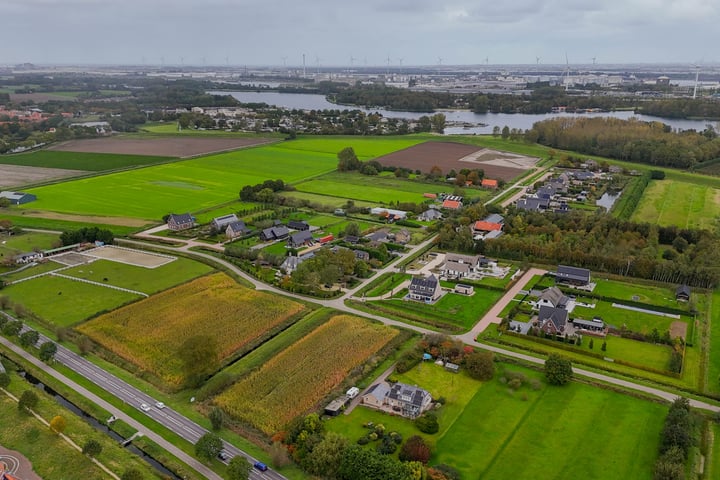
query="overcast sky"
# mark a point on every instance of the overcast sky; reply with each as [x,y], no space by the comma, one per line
[256,32]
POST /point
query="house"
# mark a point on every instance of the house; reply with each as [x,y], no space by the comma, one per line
[459,266]
[552,297]
[410,401]
[279,232]
[533,204]
[424,289]
[179,222]
[25,258]
[402,237]
[572,275]
[301,238]
[378,236]
[352,239]
[482,227]
[221,223]
[431,196]
[464,289]
[430,215]
[18,198]
[489,183]
[291,263]
[552,320]
[300,225]
[362,255]
[495,218]
[236,229]
[682,294]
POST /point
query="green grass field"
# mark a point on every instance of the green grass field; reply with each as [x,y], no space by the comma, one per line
[146,280]
[648,294]
[636,321]
[379,189]
[199,183]
[486,427]
[19,218]
[675,202]
[65,302]
[713,381]
[11,245]
[94,162]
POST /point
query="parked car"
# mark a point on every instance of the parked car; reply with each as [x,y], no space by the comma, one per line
[260,466]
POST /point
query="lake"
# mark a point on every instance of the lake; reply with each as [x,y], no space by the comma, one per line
[482,123]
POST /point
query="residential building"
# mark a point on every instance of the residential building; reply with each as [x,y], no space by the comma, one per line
[572,275]
[430,215]
[29,257]
[533,204]
[221,223]
[300,225]
[425,289]
[362,255]
[279,232]
[410,401]
[459,266]
[300,238]
[552,320]
[489,183]
[452,204]
[682,293]
[236,229]
[595,325]
[402,237]
[389,213]
[552,297]
[178,222]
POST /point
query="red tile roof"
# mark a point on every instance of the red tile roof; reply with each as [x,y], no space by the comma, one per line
[451,204]
[489,183]
[483,226]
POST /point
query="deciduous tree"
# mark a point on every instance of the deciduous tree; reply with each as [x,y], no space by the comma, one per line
[208,446]
[558,370]
[480,365]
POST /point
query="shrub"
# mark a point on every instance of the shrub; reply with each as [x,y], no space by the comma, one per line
[427,423]
[415,450]
[558,369]
[92,448]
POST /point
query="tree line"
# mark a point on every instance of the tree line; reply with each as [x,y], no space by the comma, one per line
[632,140]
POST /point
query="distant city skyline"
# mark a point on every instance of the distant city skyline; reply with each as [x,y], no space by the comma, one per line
[342,33]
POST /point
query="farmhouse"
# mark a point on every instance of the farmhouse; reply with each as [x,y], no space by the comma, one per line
[552,320]
[236,229]
[490,227]
[300,239]
[424,289]
[489,183]
[18,198]
[279,232]
[572,275]
[409,401]
[552,297]
[179,222]
[300,225]
[220,223]
[682,294]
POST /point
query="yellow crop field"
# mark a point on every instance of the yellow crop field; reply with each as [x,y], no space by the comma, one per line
[149,333]
[296,379]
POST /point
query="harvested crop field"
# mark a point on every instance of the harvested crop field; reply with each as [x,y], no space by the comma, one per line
[17,175]
[296,379]
[456,156]
[150,333]
[182,147]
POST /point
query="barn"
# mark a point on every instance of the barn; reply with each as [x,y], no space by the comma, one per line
[18,198]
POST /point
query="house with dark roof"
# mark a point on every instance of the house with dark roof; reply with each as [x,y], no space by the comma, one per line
[402,237]
[362,255]
[595,325]
[300,239]
[408,400]
[533,204]
[459,266]
[430,215]
[221,223]
[425,289]
[236,229]
[279,232]
[682,293]
[552,320]
[552,297]
[177,222]
[572,275]
[300,225]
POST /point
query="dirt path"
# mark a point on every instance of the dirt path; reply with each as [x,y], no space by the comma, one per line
[356,401]
[493,315]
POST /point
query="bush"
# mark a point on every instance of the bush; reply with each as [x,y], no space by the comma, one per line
[558,369]
[480,365]
[92,448]
[28,400]
[408,360]
[364,440]
[427,423]
[415,450]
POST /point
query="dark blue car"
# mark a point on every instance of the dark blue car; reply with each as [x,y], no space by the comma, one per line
[260,466]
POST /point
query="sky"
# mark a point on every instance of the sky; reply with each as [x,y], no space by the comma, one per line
[330,32]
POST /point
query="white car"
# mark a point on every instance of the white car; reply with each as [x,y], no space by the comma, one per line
[160,405]
[144,407]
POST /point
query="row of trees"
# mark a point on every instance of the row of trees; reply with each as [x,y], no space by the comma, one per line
[262,192]
[87,235]
[652,143]
[394,98]
[676,439]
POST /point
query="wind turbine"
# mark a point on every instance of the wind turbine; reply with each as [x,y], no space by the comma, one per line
[594,59]
[697,74]
[567,72]
[537,60]
[304,72]
[352,61]
[439,61]
[388,65]
[487,60]
[317,64]
[400,60]
[284,59]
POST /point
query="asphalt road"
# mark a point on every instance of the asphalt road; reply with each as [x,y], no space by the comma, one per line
[166,416]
